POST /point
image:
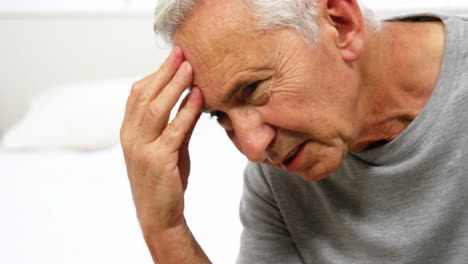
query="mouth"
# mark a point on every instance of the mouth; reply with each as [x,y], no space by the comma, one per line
[292,161]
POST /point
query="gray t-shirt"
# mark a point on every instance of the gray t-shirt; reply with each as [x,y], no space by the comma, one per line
[403,202]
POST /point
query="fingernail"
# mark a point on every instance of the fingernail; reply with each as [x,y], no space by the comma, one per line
[185,66]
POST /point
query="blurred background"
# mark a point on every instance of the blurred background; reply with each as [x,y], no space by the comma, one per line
[66,68]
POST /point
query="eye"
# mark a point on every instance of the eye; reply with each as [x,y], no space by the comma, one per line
[250,89]
[218,114]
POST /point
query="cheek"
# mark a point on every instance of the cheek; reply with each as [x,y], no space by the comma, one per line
[297,95]
[305,114]
[292,111]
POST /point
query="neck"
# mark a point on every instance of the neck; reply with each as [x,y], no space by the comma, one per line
[399,69]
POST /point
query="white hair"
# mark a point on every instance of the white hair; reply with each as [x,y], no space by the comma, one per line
[300,15]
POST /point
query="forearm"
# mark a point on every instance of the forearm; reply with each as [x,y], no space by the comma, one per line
[176,245]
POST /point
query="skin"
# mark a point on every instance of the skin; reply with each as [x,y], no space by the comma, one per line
[300,97]
[156,155]
[350,92]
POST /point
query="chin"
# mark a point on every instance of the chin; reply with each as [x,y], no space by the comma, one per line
[318,172]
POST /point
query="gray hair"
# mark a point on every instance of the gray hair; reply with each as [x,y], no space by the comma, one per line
[269,14]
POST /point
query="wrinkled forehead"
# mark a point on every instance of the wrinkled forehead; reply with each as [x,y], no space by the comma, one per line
[218,39]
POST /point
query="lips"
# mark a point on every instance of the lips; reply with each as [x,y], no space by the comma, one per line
[292,161]
[291,155]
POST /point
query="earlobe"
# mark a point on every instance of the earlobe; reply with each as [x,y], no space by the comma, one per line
[346,19]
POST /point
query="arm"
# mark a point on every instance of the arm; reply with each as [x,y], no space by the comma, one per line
[175,245]
[157,159]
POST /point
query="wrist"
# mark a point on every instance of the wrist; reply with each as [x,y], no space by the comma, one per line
[175,245]
[152,225]
[154,234]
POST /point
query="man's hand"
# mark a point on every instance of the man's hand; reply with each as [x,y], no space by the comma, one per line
[156,152]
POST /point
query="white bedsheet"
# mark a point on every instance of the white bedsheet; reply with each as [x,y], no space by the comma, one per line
[76,207]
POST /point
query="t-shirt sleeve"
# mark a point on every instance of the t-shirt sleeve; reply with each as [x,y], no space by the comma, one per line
[265,237]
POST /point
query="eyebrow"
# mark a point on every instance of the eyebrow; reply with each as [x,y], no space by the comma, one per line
[238,85]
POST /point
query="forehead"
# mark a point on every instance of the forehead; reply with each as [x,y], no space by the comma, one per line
[220,41]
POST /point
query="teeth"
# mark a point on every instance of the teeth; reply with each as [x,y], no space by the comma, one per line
[292,153]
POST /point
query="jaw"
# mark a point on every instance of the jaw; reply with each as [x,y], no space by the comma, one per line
[320,162]
[320,170]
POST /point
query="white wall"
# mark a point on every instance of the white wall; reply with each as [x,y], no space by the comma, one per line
[10,4]
[45,49]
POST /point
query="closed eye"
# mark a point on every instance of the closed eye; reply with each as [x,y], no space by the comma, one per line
[250,89]
[246,92]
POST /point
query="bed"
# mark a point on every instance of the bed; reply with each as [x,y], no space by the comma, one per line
[63,206]
[64,195]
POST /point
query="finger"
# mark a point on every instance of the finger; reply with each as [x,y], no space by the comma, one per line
[178,129]
[190,132]
[146,93]
[127,133]
[159,110]
[133,95]
[183,102]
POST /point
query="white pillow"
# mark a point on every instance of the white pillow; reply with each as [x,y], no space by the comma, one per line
[81,116]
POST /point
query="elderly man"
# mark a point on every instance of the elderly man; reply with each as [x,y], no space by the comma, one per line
[356,130]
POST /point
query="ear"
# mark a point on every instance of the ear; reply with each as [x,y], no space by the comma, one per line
[346,19]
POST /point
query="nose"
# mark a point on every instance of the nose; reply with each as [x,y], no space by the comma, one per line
[250,133]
